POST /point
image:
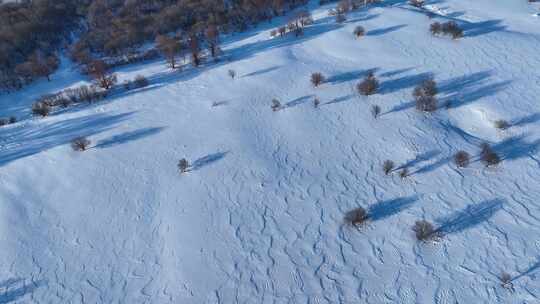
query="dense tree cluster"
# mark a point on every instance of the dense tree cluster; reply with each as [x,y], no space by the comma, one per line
[32,32]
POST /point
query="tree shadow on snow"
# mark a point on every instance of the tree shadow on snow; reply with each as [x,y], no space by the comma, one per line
[127,137]
[469,217]
[404,82]
[473,29]
[208,160]
[386,30]
[339,99]
[529,119]
[533,268]
[15,289]
[349,76]
[420,158]
[298,101]
[262,71]
[454,92]
[22,141]
[384,209]
[516,147]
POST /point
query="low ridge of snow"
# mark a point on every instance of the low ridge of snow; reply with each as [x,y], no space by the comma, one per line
[260,217]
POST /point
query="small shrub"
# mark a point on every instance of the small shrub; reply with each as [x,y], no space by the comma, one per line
[502,124]
[12,119]
[359,31]
[273,33]
[368,86]
[404,172]
[462,159]
[452,28]
[489,157]
[388,166]
[140,81]
[424,230]
[317,79]
[343,7]
[506,280]
[375,111]
[183,165]
[64,102]
[435,28]
[41,109]
[357,217]
[316,102]
[232,74]
[417,3]
[127,85]
[426,104]
[340,18]
[282,31]
[80,144]
[428,87]
[276,105]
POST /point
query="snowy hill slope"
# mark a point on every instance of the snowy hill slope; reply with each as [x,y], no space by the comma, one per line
[260,218]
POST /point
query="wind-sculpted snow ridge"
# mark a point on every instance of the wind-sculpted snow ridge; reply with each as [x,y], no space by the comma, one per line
[260,215]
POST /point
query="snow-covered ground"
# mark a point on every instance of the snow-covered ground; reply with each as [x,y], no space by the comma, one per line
[260,218]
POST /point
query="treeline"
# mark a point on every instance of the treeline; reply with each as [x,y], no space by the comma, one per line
[33,31]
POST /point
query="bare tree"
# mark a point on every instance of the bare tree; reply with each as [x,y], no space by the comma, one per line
[357,217]
[369,85]
[169,48]
[41,109]
[375,111]
[404,172]
[424,230]
[80,144]
[98,70]
[316,102]
[276,105]
[462,159]
[388,166]
[317,79]
[195,50]
[359,31]
[488,156]
[502,124]
[506,281]
[183,165]
[212,38]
